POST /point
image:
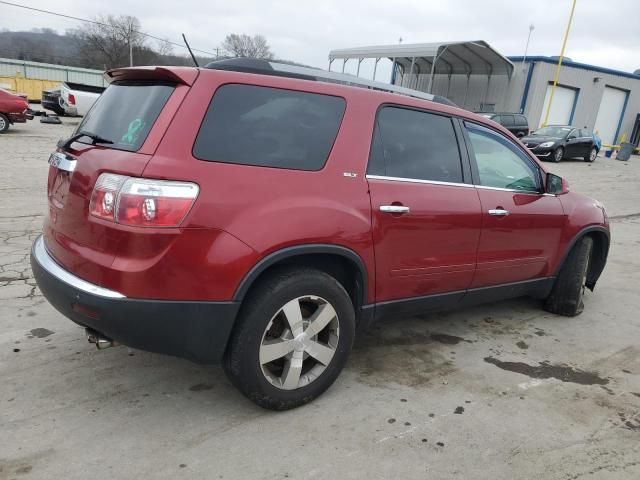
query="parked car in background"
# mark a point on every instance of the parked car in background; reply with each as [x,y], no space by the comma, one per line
[597,141]
[76,99]
[50,100]
[516,123]
[14,108]
[260,219]
[555,142]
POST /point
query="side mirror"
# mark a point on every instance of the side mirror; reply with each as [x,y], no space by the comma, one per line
[556,185]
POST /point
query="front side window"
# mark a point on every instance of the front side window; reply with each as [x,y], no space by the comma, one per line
[500,165]
[415,145]
[269,127]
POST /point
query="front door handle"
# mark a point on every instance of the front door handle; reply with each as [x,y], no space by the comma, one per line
[394,209]
[499,212]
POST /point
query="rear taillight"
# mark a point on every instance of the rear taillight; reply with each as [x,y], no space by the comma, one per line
[72,99]
[142,202]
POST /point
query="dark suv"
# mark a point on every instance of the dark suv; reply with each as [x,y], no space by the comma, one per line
[261,217]
[516,123]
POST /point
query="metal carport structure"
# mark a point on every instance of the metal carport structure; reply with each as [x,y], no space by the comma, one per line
[439,58]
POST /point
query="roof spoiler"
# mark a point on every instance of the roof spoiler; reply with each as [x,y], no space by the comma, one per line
[182,75]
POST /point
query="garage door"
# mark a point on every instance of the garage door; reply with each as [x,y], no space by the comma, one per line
[563,101]
[609,114]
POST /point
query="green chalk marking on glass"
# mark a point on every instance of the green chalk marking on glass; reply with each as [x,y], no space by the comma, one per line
[131,134]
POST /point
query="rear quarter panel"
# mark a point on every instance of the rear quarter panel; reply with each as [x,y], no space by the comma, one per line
[269,209]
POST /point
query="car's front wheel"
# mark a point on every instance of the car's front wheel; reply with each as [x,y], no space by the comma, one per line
[557,154]
[4,123]
[292,339]
[568,289]
[591,156]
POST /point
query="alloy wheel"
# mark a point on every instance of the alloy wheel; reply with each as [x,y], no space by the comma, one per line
[3,124]
[558,154]
[593,155]
[299,342]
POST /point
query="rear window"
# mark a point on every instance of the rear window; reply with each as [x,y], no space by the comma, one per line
[125,113]
[269,127]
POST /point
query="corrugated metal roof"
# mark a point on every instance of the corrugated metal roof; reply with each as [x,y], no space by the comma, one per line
[47,71]
[53,66]
[467,57]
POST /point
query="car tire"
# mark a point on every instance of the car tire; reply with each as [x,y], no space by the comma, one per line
[568,289]
[4,123]
[591,156]
[520,134]
[269,316]
[557,154]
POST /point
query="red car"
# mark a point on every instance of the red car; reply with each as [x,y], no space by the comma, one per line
[13,109]
[259,214]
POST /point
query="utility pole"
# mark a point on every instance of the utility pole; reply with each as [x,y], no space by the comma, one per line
[555,79]
[130,43]
[526,47]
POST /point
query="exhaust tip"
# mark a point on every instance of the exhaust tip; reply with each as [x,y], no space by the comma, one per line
[100,341]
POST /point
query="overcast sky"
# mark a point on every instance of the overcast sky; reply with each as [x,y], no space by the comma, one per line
[604,33]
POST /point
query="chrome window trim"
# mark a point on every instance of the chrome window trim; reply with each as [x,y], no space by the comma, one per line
[47,262]
[417,180]
[527,192]
[453,184]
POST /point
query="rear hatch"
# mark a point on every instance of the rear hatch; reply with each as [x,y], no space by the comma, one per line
[126,123]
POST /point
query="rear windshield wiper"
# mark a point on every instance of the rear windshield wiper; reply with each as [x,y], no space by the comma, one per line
[65,144]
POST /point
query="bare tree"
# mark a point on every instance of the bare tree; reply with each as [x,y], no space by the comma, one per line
[112,41]
[243,45]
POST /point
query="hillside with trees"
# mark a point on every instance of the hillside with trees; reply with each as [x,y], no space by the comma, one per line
[109,41]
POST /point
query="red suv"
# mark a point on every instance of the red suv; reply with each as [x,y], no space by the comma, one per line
[259,214]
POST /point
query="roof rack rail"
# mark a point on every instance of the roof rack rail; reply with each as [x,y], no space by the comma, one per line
[265,67]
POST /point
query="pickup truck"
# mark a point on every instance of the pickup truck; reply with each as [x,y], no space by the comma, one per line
[73,99]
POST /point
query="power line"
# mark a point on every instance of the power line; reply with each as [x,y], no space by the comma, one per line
[71,17]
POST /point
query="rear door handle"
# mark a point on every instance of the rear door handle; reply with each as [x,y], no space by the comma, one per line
[394,209]
[499,212]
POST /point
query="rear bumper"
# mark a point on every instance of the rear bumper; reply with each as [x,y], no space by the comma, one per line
[194,330]
[53,106]
[21,117]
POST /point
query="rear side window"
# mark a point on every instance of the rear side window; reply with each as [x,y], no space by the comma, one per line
[269,127]
[521,120]
[507,120]
[415,145]
[125,113]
